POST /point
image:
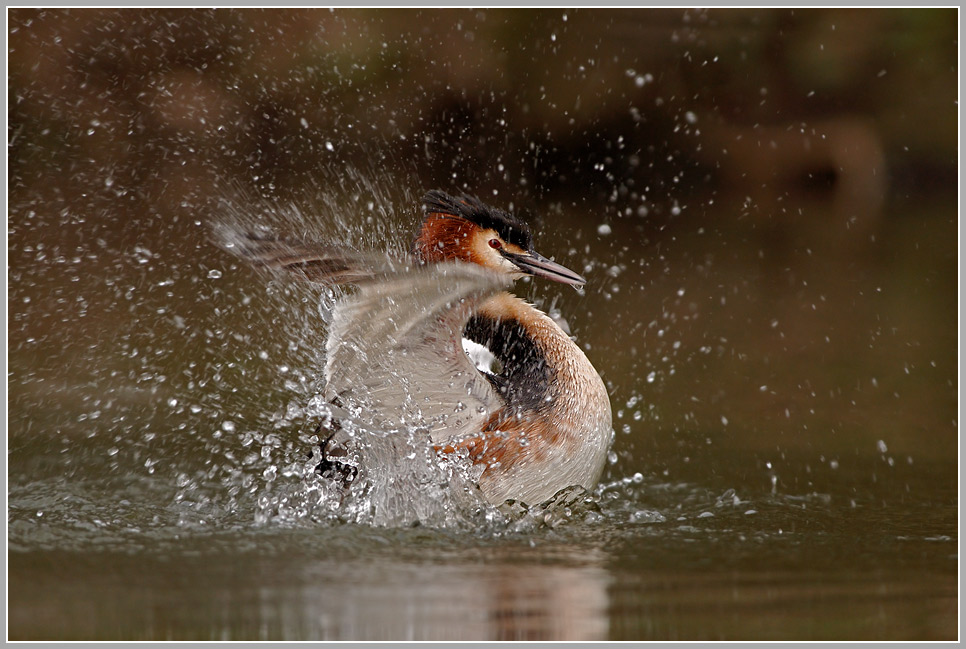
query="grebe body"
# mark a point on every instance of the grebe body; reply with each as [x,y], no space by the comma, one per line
[396,357]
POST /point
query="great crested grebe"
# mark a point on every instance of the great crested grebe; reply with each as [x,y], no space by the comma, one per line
[395,353]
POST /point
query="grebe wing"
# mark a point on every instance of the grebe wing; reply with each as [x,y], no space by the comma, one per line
[308,260]
[394,353]
[395,350]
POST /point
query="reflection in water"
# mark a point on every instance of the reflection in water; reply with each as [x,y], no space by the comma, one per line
[493,594]
[489,600]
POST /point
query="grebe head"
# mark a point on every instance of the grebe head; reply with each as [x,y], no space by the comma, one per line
[466,229]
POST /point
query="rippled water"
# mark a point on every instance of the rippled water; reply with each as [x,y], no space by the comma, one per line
[641,560]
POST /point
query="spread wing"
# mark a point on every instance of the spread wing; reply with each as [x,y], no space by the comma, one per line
[394,354]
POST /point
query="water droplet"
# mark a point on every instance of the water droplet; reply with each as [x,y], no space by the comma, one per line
[214,274]
[644,516]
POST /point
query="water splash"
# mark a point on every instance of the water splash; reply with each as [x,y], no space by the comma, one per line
[395,479]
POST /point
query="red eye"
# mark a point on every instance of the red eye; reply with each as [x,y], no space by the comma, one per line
[495,244]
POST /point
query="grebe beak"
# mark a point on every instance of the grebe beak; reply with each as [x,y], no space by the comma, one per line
[533,263]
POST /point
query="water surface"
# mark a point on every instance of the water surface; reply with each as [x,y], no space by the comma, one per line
[142,508]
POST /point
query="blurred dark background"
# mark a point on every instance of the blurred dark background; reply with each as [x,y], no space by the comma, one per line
[763,200]
[621,107]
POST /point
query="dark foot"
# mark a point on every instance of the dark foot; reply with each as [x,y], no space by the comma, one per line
[330,467]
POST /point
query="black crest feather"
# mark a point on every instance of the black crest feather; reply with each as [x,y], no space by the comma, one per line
[510,228]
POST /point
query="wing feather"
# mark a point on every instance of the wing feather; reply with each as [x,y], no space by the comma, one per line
[394,353]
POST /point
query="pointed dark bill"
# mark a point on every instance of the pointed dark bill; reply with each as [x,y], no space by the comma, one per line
[533,263]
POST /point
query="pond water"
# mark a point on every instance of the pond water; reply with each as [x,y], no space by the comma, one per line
[794,568]
[789,481]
